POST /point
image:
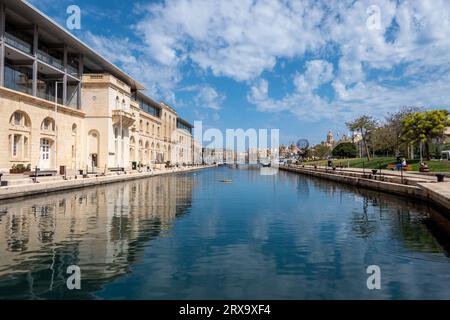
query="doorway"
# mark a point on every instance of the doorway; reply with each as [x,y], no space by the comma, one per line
[94,162]
[44,162]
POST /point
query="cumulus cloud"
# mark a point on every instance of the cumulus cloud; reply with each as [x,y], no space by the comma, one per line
[208,97]
[243,39]
[236,38]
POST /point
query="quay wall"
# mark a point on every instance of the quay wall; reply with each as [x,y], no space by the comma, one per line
[421,191]
[61,185]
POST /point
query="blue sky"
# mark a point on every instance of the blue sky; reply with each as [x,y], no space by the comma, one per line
[304,67]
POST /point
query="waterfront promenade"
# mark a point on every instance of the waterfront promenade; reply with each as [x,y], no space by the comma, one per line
[415,185]
[53,184]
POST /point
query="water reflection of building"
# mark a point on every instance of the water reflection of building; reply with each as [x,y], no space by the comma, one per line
[102,230]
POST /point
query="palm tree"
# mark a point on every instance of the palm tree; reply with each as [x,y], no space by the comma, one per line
[363,124]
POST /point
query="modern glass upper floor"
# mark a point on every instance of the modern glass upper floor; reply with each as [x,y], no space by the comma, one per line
[40,58]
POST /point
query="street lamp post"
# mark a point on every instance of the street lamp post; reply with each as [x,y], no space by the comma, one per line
[56,127]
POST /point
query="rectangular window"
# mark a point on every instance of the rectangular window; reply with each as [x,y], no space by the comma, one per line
[16,142]
[25,147]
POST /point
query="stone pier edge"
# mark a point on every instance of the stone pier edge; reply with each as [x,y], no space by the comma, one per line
[421,191]
[55,186]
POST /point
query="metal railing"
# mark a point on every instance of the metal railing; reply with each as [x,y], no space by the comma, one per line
[45,57]
[72,70]
[49,97]
[18,43]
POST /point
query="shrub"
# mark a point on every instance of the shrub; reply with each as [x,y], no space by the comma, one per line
[345,150]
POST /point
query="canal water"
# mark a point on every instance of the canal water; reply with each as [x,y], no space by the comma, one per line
[193,236]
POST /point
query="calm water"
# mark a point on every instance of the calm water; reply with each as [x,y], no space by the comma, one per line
[190,236]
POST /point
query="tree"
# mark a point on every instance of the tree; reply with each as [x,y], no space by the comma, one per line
[322,151]
[425,126]
[382,140]
[345,150]
[392,137]
[363,124]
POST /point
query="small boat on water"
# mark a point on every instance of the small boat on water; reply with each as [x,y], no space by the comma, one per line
[226,181]
[266,165]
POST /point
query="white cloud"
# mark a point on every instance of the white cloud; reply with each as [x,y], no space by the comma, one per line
[236,38]
[302,101]
[160,80]
[241,39]
[208,97]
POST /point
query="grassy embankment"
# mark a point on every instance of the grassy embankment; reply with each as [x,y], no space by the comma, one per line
[382,162]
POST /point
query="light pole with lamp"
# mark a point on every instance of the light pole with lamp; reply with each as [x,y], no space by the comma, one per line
[56,127]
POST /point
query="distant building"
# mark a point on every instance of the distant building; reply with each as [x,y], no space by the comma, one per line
[447,135]
[330,139]
[283,151]
[356,137]
[293,149]
[212,155]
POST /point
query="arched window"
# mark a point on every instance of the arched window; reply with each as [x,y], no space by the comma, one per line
[48,124]
[140,151]
[19,138]
[20,118]
[132,149]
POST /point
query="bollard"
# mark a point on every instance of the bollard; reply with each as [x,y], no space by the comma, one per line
[401,173]
[35,174]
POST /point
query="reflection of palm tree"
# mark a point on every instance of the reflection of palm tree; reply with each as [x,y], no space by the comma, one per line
[362,225]
[414,232]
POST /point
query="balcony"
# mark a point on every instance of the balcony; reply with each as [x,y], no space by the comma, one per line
[18,43]
[72,70]
[45,57]
[124,118]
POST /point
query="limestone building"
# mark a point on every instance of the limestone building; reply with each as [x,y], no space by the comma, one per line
[64,105]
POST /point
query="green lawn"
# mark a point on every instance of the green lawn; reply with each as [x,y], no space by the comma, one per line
[382,162]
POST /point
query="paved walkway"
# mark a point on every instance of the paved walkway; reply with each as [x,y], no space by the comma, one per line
[415,176]
[46,186]
[439,192]
[417,185]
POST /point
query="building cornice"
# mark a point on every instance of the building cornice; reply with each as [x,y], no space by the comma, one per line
[38,102]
